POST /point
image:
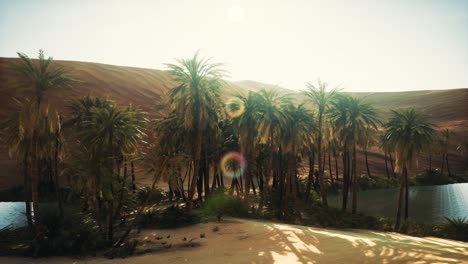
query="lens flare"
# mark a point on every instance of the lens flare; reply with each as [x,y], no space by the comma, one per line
[235,107]
[233,164]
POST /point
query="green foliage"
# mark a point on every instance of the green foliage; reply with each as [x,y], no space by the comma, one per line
[167,217]
[456,228]
[156,196]
[366,183]
[433,177]
[333,217]
[74,233]
[220,204]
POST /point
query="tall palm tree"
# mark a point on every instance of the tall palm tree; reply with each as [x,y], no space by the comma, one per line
[246,130]
[296,138]
[445,142]
[318,95]
[31,135]
[353,118]
[408,132]
[272,119]
[40,76]
[105,133]
[17,132]
[196,95]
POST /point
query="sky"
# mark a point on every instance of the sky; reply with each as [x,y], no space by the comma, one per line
[357,45]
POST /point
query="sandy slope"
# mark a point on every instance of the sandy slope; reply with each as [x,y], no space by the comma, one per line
[246,241]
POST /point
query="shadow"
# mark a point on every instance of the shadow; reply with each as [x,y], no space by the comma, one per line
[300,244]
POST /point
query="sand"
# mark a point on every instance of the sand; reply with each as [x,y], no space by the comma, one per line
[248,241]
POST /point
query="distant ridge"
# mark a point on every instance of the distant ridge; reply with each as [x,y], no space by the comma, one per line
[144,87]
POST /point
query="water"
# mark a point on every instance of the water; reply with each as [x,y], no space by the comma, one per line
[13,213]
[427,204]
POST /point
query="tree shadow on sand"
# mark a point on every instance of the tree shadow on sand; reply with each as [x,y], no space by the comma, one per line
[299,244]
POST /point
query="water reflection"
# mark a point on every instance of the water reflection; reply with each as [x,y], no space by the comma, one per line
[12,213]
[427,204]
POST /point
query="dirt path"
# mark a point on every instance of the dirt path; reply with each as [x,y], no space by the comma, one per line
[247,241]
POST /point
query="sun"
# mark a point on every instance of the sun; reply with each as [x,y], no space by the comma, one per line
[236,14]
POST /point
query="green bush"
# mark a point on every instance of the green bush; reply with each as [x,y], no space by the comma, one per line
[432,177]
[455,228]
[220,204]
[74,233]
[366,183]
[168,217]
[156,196]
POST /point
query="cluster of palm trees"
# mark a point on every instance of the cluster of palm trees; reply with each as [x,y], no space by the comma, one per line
[106,137]
[277,136]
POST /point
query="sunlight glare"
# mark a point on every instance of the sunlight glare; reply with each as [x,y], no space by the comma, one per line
[236,14]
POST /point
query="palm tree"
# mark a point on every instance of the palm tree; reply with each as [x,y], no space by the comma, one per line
[31,135]
[444,142]
[193,99]
[245,128]
[272,119]
[17,132]
[318,95]
[41,77]
[408,132]
[106,133]
[296,138]
[353,118]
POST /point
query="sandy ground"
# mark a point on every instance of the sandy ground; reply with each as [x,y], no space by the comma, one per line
[247,241]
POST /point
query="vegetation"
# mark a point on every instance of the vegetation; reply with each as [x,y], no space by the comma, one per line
[282,150]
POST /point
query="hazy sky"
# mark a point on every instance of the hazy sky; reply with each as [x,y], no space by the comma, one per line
[361,45]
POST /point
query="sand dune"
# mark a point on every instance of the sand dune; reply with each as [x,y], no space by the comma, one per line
[144,87]
[247,241]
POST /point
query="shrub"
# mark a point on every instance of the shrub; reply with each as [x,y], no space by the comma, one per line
[366,183]
[220,204]
[74,233]
[455,228]
[156,196]
[167,217]
[432,177]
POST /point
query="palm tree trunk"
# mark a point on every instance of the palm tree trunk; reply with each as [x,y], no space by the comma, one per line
[323,192]
[200,184]
[122,191]
[330,167]
[132,171]
[345,180]
[26,189]
[56,174]
[140,210]
[35,187]
[391,164]
[386,164]
[196,165]
[355,182]
[336,161]
[400,200]
[270,168]
[367,162]
[443,164]
[448,167]
[215,176]
[406,195]
[310,178]
[206,174]
[430,161]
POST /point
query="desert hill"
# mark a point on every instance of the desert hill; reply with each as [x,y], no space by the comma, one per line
[143,87]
